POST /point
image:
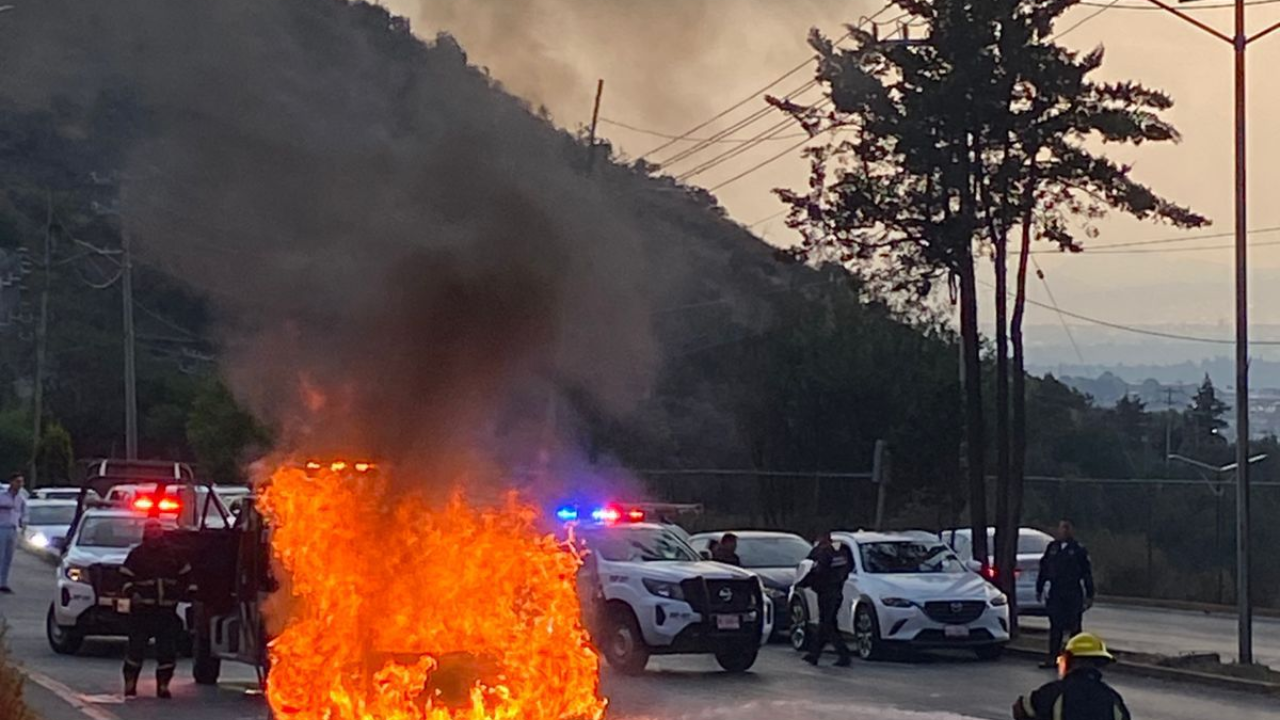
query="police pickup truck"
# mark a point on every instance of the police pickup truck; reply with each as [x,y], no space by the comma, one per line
[646,592]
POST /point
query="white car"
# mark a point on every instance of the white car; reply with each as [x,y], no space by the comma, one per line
[1031,546]
[646,592]
[907,592]
[58,492]
[47,524]
[771,556]
[87,599]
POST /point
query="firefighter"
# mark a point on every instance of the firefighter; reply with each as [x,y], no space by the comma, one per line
[831,567]
[156,579]
[1066,567]
[1079,693]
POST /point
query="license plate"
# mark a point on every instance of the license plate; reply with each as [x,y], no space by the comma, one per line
[728,622]
[956,632]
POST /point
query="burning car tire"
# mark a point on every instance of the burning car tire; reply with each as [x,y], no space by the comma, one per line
[738,657]
[622,643]
[63,640]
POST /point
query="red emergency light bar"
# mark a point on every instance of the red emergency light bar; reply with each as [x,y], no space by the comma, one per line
[146,503]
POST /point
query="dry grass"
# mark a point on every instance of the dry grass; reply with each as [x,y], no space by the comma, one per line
[12,706]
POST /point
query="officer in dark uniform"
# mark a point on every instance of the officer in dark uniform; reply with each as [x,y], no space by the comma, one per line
[156,579]
[726,551]
[831,567]
[1080,694]
[1066,567]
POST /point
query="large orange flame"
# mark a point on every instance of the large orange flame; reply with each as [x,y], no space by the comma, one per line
[400,610]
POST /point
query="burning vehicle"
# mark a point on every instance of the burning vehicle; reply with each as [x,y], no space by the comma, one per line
[407,610]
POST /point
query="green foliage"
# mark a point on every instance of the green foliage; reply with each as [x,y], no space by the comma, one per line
[15,438]
[1205,416]
[55,458]
[221,433]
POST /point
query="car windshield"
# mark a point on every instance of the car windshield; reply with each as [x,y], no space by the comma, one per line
[636,544]
[51,514]
[913,558]
[772,552]
[112,532]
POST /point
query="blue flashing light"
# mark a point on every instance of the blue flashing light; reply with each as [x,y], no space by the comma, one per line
[567,513]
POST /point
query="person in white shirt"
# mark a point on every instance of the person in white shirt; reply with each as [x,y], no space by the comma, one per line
[13,519]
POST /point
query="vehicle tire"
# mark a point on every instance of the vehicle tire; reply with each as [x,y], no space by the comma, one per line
[64,640]
[622,643]
[801,632]
[866,633]
[205,668]
[738,657]
[989,652]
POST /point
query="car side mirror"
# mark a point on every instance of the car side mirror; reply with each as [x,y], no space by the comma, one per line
[704,554]
[973,565]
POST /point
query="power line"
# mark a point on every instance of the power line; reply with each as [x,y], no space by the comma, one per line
[1183,8]
[769,133]
[743,124]
[668,136]
[1103,8]
[761,165]
[1065,327]
[758,93]
[1109,247]
[767,218]
[1135,330]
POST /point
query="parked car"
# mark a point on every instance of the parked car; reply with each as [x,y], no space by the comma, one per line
[1031,547]
[771,556]
[909,593]
[48,522]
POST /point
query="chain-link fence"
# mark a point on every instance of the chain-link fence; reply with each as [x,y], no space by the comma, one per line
[1168,539]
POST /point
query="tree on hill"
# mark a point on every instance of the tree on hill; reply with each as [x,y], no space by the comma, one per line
[1207,415]
[946,144]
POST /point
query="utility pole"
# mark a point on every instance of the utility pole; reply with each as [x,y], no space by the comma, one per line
[1239,41]
[130,369]
[42,333]
[595,122]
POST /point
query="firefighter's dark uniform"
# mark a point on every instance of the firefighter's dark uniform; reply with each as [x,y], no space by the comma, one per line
[1081,695]
[156,579]
[1066,567]
[831,568]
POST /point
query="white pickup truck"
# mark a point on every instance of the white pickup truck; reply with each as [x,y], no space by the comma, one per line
[646,592]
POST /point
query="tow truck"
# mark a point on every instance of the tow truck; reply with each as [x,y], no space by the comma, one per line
[645,592]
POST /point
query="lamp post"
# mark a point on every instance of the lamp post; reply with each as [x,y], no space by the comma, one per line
[1239,41]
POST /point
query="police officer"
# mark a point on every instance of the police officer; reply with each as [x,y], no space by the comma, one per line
[831,567]
[1080,693]
[1066,567]
[726,551]
[156,578]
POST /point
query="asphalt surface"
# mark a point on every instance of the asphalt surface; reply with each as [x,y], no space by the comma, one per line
[780,687]
[1177,632]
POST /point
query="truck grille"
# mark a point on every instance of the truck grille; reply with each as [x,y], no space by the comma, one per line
[106,580]
[721,596]
[957,612]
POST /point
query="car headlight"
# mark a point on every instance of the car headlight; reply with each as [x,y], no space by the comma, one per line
[896,602]
[999,601]
[39,540]
[663,588]
[76,573]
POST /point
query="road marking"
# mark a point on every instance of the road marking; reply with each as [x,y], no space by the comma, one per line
[69,696]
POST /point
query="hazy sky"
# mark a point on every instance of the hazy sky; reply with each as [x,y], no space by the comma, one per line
[668,65]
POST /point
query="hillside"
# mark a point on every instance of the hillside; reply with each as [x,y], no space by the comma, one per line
[326,203]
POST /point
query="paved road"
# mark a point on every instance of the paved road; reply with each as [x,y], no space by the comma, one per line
[688,688]
[1176,632]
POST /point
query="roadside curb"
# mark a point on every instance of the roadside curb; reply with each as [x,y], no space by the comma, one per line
[1160,672]
[1185,605]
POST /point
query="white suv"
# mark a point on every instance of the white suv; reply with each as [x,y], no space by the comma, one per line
[87,600]
[907,591]
[1031,546]
[646,592]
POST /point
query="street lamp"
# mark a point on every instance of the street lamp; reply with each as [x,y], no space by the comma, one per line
[1239,42]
